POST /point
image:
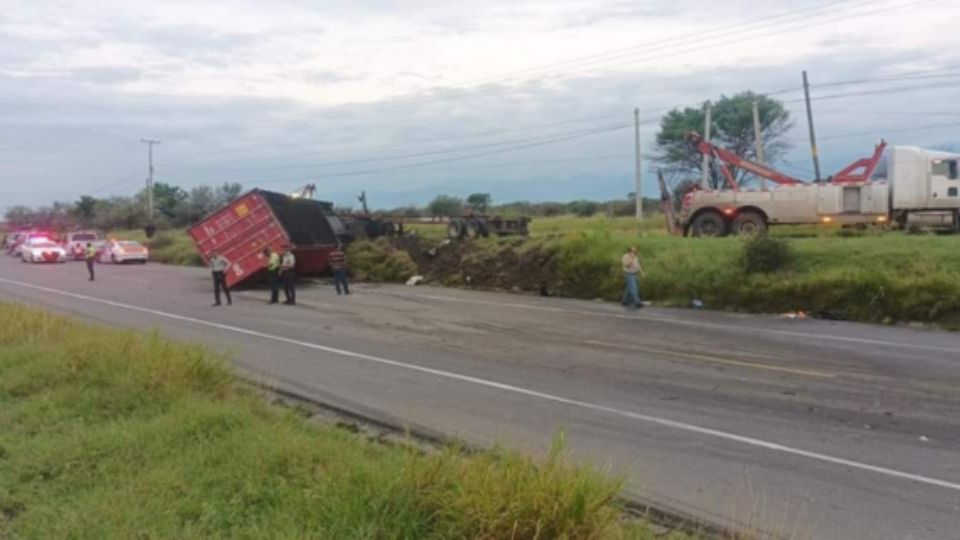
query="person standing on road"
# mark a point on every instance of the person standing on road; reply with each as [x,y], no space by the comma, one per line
[218,267]
[338,263]
[288,272]
[273,273]
[632,267]
[90,256]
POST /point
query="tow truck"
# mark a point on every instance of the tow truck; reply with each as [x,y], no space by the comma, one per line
[917,186]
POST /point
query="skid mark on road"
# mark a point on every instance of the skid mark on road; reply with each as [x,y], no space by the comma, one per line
[697,324]
[664,422]
[714,359]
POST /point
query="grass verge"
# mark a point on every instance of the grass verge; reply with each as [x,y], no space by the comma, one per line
[875,277]
[114,434]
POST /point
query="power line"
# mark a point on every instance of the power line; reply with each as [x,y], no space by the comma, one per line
[448,150]
[894,90]
[659,45]
[895,130]
[451,159]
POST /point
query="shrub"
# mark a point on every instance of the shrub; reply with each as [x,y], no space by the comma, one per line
[379,261]
[762,254]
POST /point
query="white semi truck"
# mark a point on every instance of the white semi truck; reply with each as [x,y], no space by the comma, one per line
[916,186]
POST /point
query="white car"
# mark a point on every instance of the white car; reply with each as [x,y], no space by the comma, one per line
[76,243]
[123,251]
[38,250]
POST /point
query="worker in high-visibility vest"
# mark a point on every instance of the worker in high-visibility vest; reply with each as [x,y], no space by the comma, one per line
[90,255]
[273,273]
[288,272]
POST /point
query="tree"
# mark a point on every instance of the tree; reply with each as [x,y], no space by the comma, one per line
[731,128]
[226,193]
[445,205]
[84,210]
[19,216]
[199,204]
[479,202]
[583,208]
[166,199]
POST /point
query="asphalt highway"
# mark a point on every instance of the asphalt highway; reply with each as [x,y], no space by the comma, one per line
[788,428]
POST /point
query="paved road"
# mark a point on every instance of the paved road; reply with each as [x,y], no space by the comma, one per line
[804,429]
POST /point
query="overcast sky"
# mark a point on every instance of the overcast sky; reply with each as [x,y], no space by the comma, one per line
[525,99]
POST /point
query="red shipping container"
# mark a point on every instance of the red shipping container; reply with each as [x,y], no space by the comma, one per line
[240,230]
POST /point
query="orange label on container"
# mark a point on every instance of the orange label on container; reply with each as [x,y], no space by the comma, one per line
[242,210]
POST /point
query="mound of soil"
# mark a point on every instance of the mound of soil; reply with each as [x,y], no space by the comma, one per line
[503,265]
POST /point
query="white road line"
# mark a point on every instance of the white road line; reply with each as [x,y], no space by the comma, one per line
[749,441]
[698,324]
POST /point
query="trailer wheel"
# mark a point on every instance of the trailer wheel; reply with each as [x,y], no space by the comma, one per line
[455,229]
[710,224]
[473,229]
[749,224]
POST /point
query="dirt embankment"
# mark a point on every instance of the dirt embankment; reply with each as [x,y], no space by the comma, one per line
[512,264]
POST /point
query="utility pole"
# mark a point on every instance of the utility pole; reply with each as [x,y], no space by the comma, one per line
[150,143]
[638,195]
[705,167]
[758,141]
[813,136]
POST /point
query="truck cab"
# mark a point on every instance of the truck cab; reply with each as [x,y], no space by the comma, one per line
[925,186]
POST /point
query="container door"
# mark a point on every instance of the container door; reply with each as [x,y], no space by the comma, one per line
[851,200]
[944,183]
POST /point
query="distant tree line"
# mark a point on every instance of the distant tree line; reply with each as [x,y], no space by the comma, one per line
[482,203]
[173,207]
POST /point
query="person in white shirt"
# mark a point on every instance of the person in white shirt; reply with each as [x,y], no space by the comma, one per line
[288,272]
[632,267]
[218,267]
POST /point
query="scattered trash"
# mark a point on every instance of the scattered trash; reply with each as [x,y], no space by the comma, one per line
[924,438]
[414,280]
[794,315]
[697,303]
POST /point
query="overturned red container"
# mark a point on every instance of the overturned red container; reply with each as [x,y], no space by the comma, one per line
[240,230]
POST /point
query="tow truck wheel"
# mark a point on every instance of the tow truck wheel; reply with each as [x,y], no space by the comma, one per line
[749,224]
[473,229]
[710,224]
[455,229]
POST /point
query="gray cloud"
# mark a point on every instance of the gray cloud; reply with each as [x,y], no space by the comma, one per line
[74,130]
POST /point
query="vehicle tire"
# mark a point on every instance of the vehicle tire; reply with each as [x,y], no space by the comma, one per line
[473,229]
[749,223]
[710,225]
[455,229]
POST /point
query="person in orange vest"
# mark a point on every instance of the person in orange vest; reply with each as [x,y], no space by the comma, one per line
[273,274]
[90,255]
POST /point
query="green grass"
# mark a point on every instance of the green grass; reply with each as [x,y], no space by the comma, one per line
[865,275]
[114,434]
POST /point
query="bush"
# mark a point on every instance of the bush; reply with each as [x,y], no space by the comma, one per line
[377,260]
[762,254]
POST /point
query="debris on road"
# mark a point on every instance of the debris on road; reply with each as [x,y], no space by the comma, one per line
[414,280]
